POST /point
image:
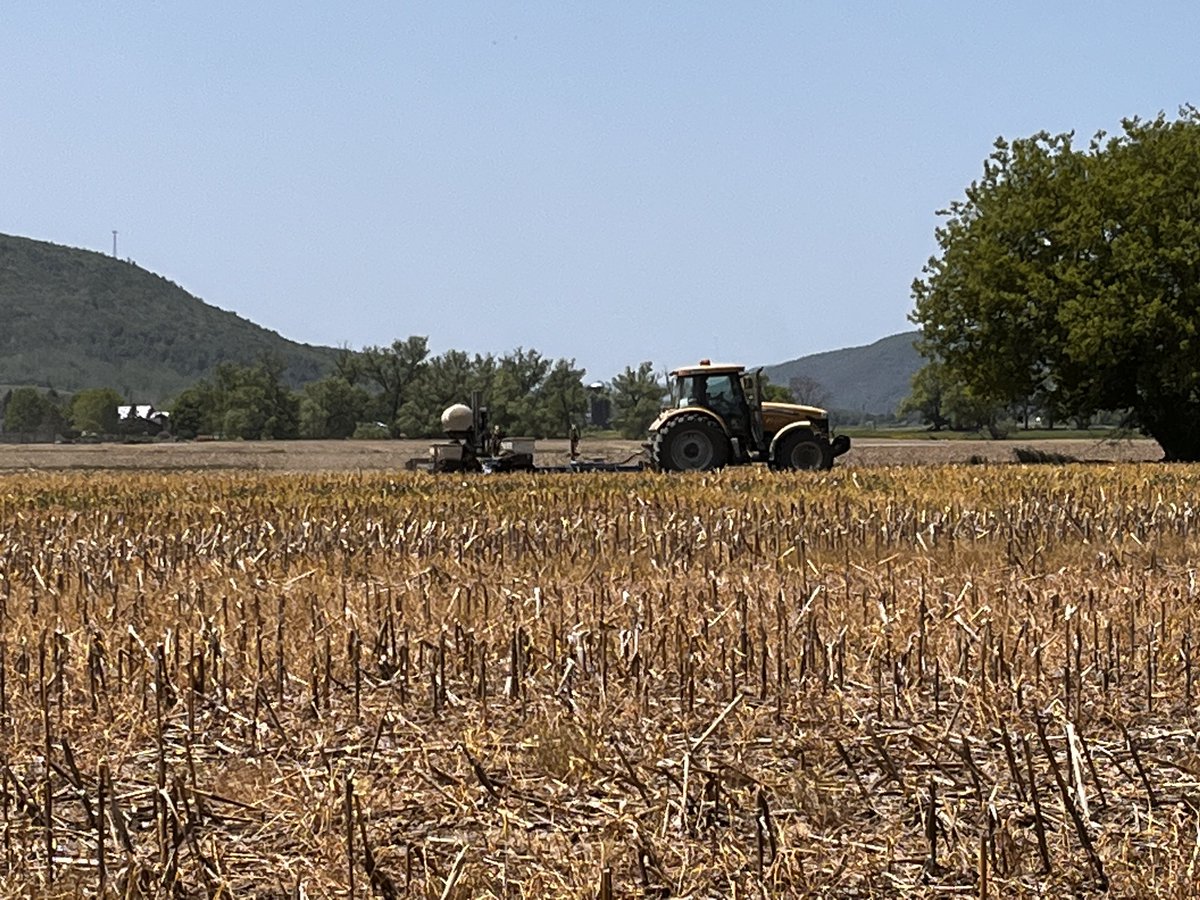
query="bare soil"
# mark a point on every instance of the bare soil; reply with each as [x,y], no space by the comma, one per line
[342,456]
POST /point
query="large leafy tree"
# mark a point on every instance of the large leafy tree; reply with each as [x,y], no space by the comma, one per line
[395,370]
[1073,275]
[945,403]
[331,408]
[95,410]
[249,402]
[637,397]
[254,402]
[192,413]
[525,392]
[29,411]
[514,401]
[449,378]
[562,399]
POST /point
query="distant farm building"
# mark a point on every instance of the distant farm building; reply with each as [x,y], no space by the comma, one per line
[143,417]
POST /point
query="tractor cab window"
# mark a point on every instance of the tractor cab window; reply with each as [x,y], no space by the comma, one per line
[720,393]
[689,391]
[723,391]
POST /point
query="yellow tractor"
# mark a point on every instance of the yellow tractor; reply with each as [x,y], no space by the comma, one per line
[717,418]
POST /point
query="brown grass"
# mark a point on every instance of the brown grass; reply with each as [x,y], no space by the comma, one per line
[877,682]
[370,456]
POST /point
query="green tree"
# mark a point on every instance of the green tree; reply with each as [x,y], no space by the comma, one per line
[253,403]
[192,412]
[454,376]
[927,398]
[514,400]
[446,379]
[942,402]
[561,399]
[347,365]
[283,420]
[95,410]
[242,421]
[776,393]
[29,411]
[637,398]
[1073,276]
[248,402]
[331,408]
[395,370]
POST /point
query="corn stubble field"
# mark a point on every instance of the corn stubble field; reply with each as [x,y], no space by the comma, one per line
[876,682]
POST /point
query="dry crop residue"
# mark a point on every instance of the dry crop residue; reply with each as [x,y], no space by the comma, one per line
[888,681]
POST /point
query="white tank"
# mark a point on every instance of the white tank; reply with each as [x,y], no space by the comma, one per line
[457,419]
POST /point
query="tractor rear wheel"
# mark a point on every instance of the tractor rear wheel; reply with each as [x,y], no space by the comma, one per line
[689,442]
[802,450]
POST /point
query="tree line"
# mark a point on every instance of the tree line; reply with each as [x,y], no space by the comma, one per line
[394,390]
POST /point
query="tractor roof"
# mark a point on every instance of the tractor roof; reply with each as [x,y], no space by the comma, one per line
[707,367]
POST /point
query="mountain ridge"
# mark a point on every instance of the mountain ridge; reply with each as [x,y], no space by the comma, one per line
[868,380]
[78,319]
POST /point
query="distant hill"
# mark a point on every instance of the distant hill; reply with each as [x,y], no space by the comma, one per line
[871,379]
[75,319]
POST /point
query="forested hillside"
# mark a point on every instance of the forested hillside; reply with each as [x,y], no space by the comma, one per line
[868,380]
[77,319]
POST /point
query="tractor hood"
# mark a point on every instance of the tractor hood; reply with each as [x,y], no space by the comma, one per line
[793,411]
[777,415]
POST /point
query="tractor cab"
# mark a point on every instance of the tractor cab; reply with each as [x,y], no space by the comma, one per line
[717,417]
[731,393]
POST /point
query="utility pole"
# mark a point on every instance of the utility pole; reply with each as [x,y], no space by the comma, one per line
[114,243]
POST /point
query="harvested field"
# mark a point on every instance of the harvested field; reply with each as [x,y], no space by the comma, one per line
[883,681]
[349,456]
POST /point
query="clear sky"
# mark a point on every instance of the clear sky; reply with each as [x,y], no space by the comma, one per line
[611,182]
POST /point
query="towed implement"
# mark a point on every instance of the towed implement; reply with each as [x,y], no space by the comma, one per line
[474,446]
[717,417]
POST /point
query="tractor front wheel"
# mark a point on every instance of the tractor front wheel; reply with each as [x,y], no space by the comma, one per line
[689,442]
[802,450]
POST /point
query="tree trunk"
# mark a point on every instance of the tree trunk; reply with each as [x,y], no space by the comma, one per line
[1175,424]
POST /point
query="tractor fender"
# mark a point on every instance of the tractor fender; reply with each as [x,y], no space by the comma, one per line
[669,414]
[790,428]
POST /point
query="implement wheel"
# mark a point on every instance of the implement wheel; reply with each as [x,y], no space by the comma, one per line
[689,442]
[802,450]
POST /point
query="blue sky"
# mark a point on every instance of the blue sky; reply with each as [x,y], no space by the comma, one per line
[611,182]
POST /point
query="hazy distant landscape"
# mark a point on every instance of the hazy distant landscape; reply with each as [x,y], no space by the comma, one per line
[77,319]
[80,319]
[873,379]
